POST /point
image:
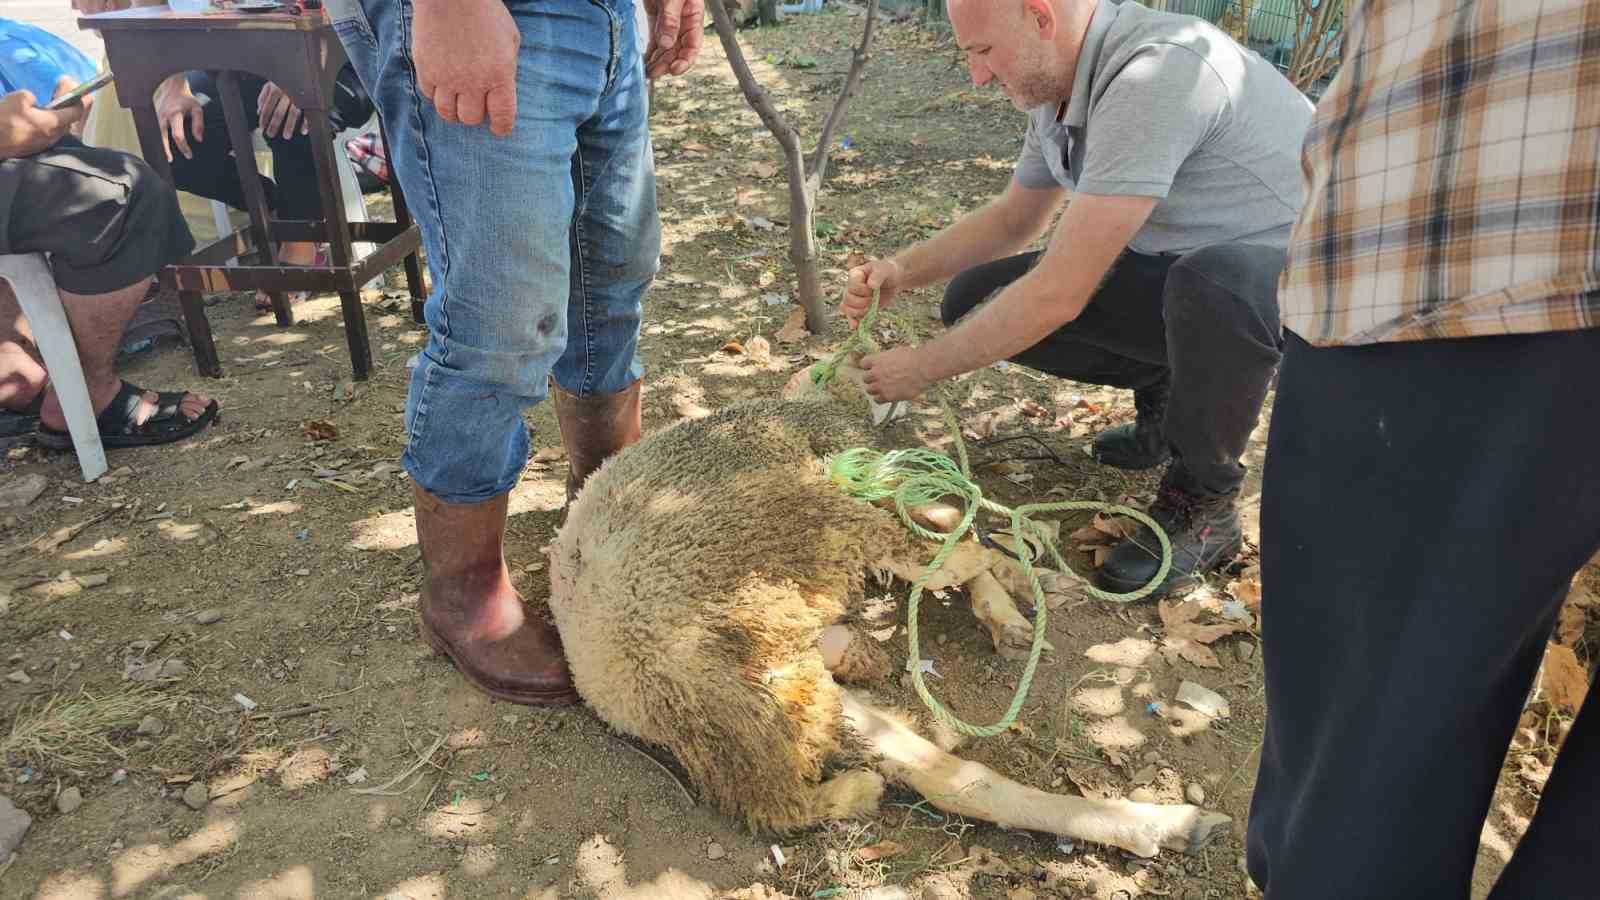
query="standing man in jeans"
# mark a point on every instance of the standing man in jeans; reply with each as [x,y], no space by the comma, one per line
[1181,150]
[519,132]
[1433,469]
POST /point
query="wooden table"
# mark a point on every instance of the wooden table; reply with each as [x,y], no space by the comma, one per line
[301,54]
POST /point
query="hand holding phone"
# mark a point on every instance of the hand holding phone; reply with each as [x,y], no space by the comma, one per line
[76,95]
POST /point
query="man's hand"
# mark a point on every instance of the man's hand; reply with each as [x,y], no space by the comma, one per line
[881,275]
[676,30]
[25,129]
[466,57]
[278,114]
[64,85]
[91,7]
[175,105]
[893,375]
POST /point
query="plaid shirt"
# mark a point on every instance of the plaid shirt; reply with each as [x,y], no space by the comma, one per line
[1453,176]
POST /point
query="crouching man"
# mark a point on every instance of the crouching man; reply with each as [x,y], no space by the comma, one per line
[1180,150]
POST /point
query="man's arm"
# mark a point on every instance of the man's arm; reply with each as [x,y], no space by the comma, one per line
[1094,231]
[1001,227]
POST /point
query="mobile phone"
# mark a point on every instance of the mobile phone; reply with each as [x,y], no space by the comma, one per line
[78,93]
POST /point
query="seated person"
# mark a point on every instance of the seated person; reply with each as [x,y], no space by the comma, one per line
[108,223]
[190,110]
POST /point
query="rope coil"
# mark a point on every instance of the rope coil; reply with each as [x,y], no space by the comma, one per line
[918,477]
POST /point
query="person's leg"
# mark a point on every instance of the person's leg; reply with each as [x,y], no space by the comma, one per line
[1424,507]
[22,375]
[496,217]
[115,223]
[616,244]
[1118,339]
[1222,339]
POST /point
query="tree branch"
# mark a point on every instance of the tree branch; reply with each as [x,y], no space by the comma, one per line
[759,100]
[818,167]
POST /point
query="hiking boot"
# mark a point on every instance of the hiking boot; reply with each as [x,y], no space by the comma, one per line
[594,427]
[1204,531]
[471,613]
[1142,443]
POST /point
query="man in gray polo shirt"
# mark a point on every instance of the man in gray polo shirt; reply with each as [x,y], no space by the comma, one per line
[1180,151]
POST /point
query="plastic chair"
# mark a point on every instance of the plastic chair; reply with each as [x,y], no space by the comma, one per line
[36,292]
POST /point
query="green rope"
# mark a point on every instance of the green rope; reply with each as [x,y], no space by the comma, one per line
[918,477]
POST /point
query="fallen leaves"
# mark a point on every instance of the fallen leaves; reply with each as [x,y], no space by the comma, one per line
[1247,588]
[319,429]
[880,850]
[1187,639]
[794,330]
[1564,680]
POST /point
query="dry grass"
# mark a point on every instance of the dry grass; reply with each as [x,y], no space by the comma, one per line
[74,733]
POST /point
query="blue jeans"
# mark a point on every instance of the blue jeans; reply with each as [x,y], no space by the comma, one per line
[541,244]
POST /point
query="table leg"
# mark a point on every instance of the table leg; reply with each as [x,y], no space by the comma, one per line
[255,197]
[402,217]
[205,348]
[338,233]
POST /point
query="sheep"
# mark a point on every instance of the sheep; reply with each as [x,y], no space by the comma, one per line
[699,584]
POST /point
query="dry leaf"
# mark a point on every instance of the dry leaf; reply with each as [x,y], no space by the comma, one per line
[549,454]
[1569,628]
[1183,648]
[694,147]
[1533,770]
[1179,621]
[1565,681]
[763,170]
[1086,405]
[733,348]
[794,330]
[1247,588]
[1034,409]
[1006,467]
[1089,787]
[319,429]
[880,850]
[984,426]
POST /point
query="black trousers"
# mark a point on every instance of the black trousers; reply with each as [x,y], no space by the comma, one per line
[212,173]
[1207,319]
[1425,505]
[107,220]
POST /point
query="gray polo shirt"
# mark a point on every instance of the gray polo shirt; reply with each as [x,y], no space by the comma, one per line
[1168,106]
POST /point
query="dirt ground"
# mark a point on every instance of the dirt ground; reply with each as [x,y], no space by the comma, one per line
[234,627]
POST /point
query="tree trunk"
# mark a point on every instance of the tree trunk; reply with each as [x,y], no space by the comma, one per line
[769,12]
[805,177]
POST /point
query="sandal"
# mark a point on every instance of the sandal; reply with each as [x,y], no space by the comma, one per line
[118,428]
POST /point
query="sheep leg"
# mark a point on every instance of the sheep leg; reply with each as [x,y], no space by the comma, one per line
[977,791]
[851,656]
[992,605]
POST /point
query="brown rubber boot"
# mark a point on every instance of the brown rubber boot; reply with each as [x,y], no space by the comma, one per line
[471,613]
[594,427]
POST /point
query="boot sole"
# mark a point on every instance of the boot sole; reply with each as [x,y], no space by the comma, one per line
[1106,582]
[522,698]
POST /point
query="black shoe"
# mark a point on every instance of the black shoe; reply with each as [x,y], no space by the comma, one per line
[1203,528]
[1141,444]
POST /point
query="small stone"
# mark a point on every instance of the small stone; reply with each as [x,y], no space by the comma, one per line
[943,637]
[1195,794]
[196,796]
[19,677]
[174,668]
[15,658]
[1245,650]
[1142,795]
[1134,866]
[93,580]
[1145,775]
[22,490]
[396,822]
[14,823]
[1152,757]
[150,725]
[715,851]
[302,573]
[69,801]
[208,617]
[119,776]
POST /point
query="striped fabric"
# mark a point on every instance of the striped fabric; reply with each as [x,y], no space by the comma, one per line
[1453,176]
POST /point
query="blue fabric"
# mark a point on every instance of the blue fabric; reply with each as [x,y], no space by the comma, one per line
[541,243]
[34,59]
